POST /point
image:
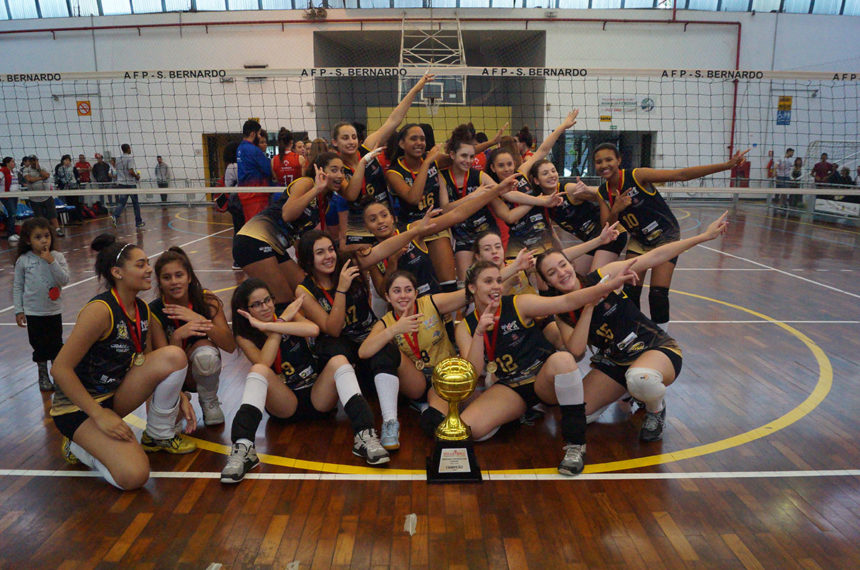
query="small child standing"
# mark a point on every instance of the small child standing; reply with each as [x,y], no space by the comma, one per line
[40,272]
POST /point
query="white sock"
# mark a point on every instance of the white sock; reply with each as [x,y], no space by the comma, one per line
[346,383]
[568,388]
[387,387]
[87,459]
[166,394]
[254,394]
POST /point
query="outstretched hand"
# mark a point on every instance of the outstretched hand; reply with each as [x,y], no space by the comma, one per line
[570,120]
[738,158]
[254,322]
[624,275]
[320,178]
[370,156]
[718,227]
[292,310]
[609,233]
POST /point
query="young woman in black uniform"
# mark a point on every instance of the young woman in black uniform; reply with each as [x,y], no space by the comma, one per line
[416,256]
[192,318]
[108,368]
[413,176]
[365,176]
[529,228]
[500,337]
[285,379]
[633,353]
[458,181]
[260,247]
[336,299]
[629,196]
[577,214]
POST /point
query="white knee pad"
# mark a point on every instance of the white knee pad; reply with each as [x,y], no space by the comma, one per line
[205,361]
[645,384]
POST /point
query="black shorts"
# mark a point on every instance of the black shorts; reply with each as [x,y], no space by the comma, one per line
[527,393]
[305,409]
[617,245]
[617,371]
[68,424]
[247,250]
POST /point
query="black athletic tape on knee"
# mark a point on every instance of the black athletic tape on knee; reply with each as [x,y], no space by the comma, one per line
[573,422]
[658,299]
[245,423]
[359,413]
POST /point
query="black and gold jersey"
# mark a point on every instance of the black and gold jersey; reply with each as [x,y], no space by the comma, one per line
[648,218]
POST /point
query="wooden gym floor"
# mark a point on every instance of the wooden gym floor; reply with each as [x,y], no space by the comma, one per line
[759,466]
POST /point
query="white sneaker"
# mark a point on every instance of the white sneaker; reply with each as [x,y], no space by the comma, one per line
[242,459]
[574,459]
[366,444]
[212,413]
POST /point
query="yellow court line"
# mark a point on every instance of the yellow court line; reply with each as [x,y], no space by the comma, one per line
[179,217]
[819,392]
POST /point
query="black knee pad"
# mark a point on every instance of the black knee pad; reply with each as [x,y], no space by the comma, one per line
[658,299]
[633,292]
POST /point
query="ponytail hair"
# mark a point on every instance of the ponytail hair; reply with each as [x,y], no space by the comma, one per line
[111,253]
[285,140]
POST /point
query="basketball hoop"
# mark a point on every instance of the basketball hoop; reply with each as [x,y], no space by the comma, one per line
[433,106]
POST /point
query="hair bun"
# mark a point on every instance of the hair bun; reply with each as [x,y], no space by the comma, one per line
[103,241]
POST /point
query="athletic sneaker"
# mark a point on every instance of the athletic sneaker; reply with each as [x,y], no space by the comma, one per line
[242,459]
[13,239]
[61,232]
[45,384]
[212,413]
[176,444]
[65,448]
[574,460]
[112,220]
[652,427]
[235,267]
[366,444]
[140,224]
[390,436]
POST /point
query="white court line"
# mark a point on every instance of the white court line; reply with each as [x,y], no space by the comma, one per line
[780,271]
[759,322]
[150,257]
[487,476]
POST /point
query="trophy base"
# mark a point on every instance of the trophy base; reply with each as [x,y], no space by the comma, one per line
[453,462]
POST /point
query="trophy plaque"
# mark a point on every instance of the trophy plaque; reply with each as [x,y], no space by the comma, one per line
[453,459]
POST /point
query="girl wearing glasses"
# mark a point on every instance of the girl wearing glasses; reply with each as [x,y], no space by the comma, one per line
[285,380]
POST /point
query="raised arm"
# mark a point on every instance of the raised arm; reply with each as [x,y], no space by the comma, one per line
[608,234]
[673,249]
[654,176]
[546,146]
[396,117]
[352,192]
[413,194]
[532,306]
[302,193]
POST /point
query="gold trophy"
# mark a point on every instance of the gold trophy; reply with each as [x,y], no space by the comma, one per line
[453,460]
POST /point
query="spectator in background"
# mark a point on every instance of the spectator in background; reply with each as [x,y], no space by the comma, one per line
[741,175]
[797,172]
[771,169]
[783,175]
[234,205]
[65,179]
[254,169]
[127,177]
[844,177]
[9,183]
[822,171]
[36,179]
[83,171]
[162,175]
[101,176]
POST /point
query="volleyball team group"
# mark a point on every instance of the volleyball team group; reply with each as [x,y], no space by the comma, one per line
[380,259]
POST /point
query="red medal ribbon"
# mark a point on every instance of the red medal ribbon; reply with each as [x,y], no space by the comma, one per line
[490,349]
[412,342]
[327,296]
[617,190]
[461,192]
[135,328]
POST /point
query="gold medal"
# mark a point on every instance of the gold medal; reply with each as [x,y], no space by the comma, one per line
[420,364]
[139,359]
[492,367]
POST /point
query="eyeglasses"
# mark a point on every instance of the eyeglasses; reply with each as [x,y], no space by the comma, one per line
[257,304]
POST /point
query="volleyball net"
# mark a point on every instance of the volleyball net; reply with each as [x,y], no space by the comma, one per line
[662,118]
